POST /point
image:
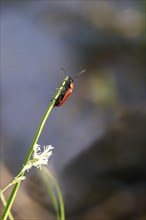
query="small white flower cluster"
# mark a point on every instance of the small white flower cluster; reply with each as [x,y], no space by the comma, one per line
[39,158]
[18,179]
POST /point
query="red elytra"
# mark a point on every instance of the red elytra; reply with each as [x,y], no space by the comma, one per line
[66,90]
[65,95]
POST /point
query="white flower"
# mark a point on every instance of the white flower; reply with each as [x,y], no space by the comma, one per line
[19,179]
[41,158]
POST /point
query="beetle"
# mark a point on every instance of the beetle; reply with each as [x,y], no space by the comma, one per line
[66,90]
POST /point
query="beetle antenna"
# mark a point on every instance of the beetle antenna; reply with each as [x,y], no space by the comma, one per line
[64,71]
[79,73]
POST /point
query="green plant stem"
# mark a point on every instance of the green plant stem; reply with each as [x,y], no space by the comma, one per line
[4,203]
[38,133]
[61,202]
[2,191]
[51,193]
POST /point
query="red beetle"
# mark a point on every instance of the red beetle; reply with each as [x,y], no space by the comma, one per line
[66,90]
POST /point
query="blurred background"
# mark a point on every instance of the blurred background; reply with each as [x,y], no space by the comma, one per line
[99,132]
